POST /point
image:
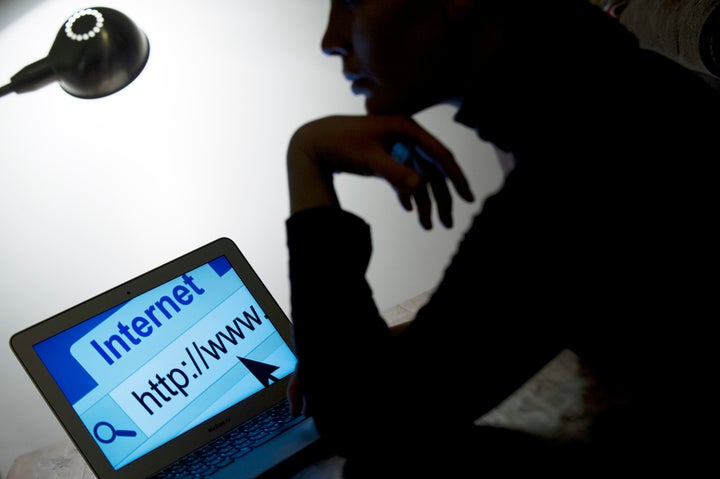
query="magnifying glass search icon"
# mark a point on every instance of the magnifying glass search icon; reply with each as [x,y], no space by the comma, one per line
[113,433]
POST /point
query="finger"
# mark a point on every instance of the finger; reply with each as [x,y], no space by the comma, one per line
[306,410]
[296,406]
[448,168]
[433,151]
[405,201]
[409,157]
[424,207]
[404,179]
[438,185]
[443,200]
[295,397]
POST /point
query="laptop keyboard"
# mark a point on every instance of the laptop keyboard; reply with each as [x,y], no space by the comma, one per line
[232,445]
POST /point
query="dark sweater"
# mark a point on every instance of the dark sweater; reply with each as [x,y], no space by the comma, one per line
[602,240]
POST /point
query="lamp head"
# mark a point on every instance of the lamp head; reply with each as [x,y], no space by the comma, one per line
[97,52]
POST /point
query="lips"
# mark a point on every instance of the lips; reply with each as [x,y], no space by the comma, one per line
[351,77]
[360,85]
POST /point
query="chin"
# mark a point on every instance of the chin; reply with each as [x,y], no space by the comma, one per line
[406,106]
[378,108]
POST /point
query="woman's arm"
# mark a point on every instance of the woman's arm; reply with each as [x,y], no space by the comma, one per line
[363,145]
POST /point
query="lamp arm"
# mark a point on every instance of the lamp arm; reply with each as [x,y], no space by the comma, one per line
[32,77]
[4,90]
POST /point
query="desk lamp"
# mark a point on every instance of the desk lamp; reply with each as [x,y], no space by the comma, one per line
[97,52]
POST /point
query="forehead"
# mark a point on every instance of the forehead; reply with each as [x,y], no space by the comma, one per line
[372,8]
[385,13]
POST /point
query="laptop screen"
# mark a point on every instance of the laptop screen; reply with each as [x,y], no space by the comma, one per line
[151,368]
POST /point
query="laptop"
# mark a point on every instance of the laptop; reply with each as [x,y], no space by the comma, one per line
[173,365]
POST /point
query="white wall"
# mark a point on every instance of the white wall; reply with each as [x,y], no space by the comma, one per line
[94,192]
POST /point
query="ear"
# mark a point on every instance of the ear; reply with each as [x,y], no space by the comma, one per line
[457,9]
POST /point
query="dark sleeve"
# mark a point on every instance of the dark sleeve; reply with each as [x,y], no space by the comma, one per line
[468,348]
[340,336]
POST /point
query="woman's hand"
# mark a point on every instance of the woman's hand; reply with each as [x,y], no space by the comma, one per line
[295,397]
[368,146]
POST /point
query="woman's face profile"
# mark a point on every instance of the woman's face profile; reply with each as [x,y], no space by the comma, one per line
[393,51]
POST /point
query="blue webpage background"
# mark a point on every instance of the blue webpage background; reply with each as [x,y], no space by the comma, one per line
[71,377]
[95,406]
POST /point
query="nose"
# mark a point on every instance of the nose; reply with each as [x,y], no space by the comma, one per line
[334,41]
[329,48]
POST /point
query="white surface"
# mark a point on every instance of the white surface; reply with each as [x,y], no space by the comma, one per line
[94,192]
